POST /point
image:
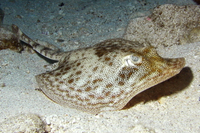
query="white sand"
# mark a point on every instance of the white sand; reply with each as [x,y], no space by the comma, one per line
[172,106]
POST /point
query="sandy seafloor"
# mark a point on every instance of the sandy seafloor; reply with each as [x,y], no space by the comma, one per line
[172,106]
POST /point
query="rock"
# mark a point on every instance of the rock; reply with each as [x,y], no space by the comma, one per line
[24,123]
[167,25]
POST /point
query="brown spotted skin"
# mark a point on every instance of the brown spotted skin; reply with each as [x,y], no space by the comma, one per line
[106,76]
[103,77]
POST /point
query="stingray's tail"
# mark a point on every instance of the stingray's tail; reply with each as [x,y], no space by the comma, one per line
[43,50]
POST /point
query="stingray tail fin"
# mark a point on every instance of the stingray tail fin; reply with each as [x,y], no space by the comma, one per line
[43,50]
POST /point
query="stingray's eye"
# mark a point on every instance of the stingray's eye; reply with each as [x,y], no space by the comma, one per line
[136,59]
[133,60]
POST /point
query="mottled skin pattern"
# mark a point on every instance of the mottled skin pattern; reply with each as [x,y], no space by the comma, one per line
[103,77]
